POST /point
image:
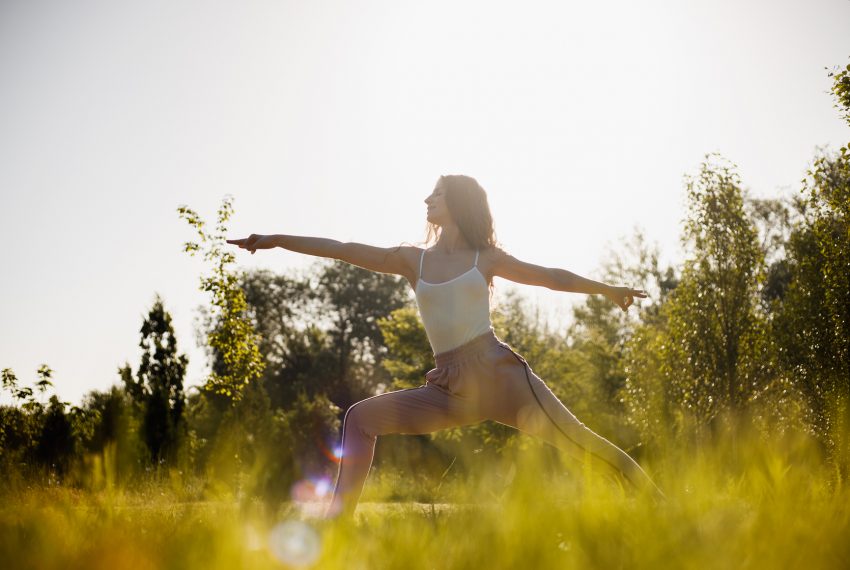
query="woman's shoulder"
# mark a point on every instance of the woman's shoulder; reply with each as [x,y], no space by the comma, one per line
[493,252]
[490,260]
[411,253]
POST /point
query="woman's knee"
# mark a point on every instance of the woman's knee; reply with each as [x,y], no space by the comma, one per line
[356,418]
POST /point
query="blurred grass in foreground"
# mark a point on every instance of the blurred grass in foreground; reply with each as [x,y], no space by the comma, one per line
[744,503]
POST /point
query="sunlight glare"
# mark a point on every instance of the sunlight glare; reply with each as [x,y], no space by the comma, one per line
[295,543]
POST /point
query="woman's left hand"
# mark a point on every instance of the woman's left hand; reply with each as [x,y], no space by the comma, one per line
[624,297]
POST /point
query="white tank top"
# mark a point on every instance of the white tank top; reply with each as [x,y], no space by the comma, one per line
[455,311]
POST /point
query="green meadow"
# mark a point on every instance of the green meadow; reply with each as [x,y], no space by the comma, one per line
[755,502]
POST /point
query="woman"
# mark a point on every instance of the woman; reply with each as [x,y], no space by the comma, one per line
[477,376]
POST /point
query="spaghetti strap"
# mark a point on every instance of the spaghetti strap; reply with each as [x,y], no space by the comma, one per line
[421,257]
[476,258]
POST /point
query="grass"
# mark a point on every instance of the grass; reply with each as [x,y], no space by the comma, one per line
[757,504]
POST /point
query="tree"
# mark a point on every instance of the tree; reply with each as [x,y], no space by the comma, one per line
[704,356]
[34,435]
[355,299]
[841,92]
[112,436]
[599,334]
[57,442]
[19,428]
[157,388]
[772,218]
[318,331]
[288,312]
[812,325]
[232,341]
[409,355]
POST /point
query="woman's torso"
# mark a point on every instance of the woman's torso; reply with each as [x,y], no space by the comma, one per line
[453,301]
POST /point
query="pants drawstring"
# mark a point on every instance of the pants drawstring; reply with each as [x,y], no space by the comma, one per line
[525,368]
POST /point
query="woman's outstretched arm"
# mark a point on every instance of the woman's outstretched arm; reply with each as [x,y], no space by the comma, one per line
[509,267]
[321,247]
[382,259]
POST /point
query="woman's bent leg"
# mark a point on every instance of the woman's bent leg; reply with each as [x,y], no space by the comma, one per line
[527,403]
[412,411]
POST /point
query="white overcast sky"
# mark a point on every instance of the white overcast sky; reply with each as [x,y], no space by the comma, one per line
[335,118]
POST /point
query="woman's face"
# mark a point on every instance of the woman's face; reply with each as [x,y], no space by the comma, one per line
[438,212]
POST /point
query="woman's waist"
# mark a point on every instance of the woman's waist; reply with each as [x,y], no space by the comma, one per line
[479,343]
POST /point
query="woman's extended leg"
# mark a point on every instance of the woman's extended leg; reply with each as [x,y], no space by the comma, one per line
[412,411]
[527,403]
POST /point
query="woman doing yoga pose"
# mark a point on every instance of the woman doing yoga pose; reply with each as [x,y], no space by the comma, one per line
[477,376]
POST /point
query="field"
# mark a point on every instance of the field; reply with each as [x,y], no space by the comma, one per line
[756,504]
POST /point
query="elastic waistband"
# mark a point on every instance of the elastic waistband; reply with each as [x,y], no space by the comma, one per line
[481,343]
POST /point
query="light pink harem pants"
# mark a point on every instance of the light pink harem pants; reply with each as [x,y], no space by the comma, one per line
[484,379]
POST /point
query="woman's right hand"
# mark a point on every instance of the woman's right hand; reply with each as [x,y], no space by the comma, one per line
[254,242]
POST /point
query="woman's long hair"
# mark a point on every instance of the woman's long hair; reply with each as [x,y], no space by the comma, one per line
[467,203]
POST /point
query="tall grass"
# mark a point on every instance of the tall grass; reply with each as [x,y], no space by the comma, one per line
[743,501]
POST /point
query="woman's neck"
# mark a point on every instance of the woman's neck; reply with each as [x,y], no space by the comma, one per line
[451,240]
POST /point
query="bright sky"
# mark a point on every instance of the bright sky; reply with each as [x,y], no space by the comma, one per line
[335,119]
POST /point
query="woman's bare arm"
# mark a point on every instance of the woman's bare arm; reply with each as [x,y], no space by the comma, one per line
[509,267]
[381,259]
[321,247]
[318,246]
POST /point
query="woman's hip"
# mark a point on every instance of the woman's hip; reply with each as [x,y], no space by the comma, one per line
[475,366]
[482,344]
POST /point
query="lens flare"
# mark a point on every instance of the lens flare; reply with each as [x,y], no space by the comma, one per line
[294,543]
[310,489]
[323,485]
[332,451]
[253,538]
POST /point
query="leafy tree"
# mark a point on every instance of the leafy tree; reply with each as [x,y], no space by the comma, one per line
[57,442]
[287,312]
[112,434]
[598,336]
[310,426]
[241,442]
[841,91]
[107,409]
[157,389]
[704,358]
[812,325]
[35,439]
[250,449]
[20,393]
[773,221]
[409,355]
[18,428]
[232,341]
[318,331]
[355,299]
